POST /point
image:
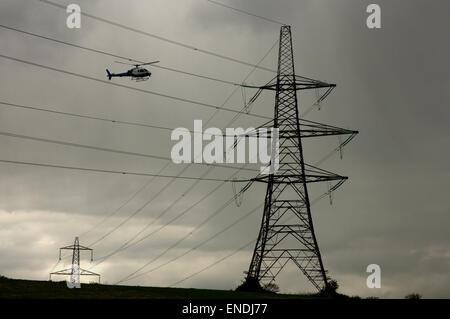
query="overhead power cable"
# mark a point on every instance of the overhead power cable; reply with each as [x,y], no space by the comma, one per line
[89,117]
[245,12]
[109,150]
[211,117]
[118,56]
[118,172]
[231,254]
[134,276]
[130,242]
[127,244]
[104,119]
[7,134]
[213,264]
[119,208]
[129,123]
[252,133]
[141,208]
[132,88]
[152,35]
[131,276]
[215,213]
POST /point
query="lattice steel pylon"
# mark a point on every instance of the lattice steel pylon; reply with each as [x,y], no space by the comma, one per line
[287,231]
[75,271]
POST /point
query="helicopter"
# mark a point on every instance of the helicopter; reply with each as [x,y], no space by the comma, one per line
[137,73]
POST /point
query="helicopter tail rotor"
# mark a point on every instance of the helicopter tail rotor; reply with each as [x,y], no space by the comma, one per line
[109,74]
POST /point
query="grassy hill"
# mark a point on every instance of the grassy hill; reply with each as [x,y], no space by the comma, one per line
[16,288]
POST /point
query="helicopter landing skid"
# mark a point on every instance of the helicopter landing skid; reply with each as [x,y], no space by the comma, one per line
[140,79]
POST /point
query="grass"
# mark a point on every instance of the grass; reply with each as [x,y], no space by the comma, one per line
[34,289]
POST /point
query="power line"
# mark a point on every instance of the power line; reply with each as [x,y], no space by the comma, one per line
[139,124]
[130,242]
[339,183]
[137,211]
[201,244]
[184,45]
[252,133]
[231,254]
[140,240]
[120,152]
[133,196]
[89,117]
[103,119]
[117,56]
[144,206]
[218,211]
[104,149]
[190,250]
[215,113]
[122,206]
[210,118]
[245,12]
[125,245]
[132,88]
[118,172]
[129,277]
[213,264]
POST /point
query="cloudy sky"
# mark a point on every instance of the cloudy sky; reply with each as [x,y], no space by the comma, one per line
[393,86]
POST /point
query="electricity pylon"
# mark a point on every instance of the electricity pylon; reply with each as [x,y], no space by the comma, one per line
[287,232]
[75,271]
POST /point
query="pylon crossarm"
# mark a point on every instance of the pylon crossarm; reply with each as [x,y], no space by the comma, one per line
[318,171]
[290,179]
[307,129]
[304,133]
[311,128]
[85,248]
[67,271]
[299,87]
[314,133]
[84,272]
[72,247]
[301,83]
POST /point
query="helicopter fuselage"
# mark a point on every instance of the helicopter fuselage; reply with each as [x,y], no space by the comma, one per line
[134,73]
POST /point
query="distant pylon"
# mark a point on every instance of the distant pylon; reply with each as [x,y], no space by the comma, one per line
[75,271]
[287,232]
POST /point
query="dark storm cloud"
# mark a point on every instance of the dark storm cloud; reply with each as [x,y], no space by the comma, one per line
[392,86]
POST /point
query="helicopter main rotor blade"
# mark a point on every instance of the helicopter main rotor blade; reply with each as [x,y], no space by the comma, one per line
[149,63]
[125,63]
